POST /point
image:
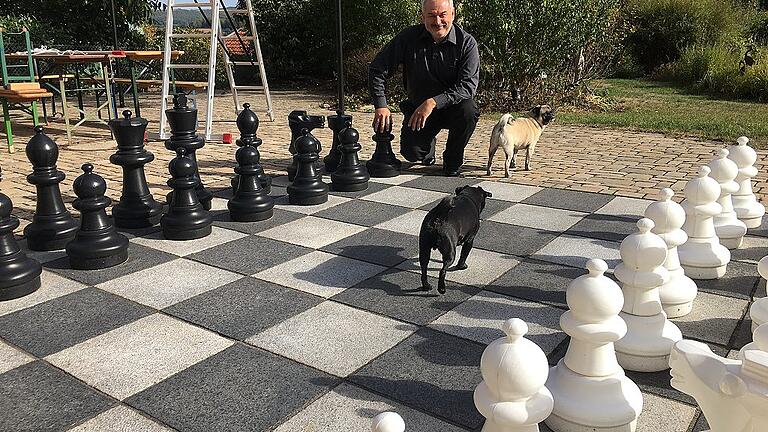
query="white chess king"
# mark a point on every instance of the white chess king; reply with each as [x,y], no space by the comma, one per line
[729,229]
[748,209]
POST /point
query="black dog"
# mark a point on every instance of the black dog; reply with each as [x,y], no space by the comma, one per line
[453,222]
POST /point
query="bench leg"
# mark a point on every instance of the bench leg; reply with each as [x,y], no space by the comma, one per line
[35,121]
[7,126]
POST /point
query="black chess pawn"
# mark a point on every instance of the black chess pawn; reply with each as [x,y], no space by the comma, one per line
[298,121]
[136,207]
[183,122]
[250,203]
[248,124]
[52,225]
[19,274]
[350,175]
[383,162]
[97,244]
[186,218]
[307,188]
[336,123]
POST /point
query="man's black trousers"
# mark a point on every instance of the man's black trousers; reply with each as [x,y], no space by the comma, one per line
[459,119]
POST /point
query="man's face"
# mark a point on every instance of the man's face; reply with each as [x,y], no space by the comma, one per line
[437,17]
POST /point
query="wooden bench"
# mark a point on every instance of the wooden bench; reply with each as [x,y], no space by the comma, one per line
[149,83]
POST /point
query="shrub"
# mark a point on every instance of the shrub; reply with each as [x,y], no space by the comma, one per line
[663,29]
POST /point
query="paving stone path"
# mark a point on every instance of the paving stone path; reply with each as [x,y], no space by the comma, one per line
[618,162]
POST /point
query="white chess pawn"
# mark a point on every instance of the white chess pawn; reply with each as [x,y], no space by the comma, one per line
[650,335]
[512,396]
[748,209]
[759,309]
[729,229]
[759,341]
[678,294]
[591,391]
[702,256]
[388,422]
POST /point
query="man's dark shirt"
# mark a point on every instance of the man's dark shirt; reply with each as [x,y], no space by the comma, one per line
[448,71]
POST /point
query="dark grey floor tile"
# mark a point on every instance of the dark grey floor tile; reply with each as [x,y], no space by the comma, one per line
[396,294]
[279,217]
[743,333]
[440,183]
[243,308]
[275,192]
[537,280]
[377,246]
[431,371]
[65,321]
[139,258]
[604,227]
[372,187]
[511,239]
[38,397]
[753,249]
[762,230]
[249,255]
[359,212]
[569,200]
[701,423]
[139,232]
[493,206]
[740,280]
[238,389]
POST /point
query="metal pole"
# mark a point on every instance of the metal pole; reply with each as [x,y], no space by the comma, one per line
[114,23]
[340,55]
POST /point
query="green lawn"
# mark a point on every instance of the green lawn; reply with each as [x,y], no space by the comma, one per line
[658,107]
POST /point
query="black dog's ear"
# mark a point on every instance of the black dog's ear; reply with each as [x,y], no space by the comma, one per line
[488,194]
[485,192]
[536,110]
[460,188]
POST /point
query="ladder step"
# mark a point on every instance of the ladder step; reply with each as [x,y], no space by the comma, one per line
[243,63]
[191,5]
[247,87]
[188,66]
[245,38]
[190,36]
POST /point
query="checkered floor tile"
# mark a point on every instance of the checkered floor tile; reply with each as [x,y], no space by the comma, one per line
[315,320]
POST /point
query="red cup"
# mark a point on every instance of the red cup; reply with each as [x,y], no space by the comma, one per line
[227,138]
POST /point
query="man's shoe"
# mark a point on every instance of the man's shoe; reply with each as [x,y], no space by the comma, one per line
[452,173]
[429,159]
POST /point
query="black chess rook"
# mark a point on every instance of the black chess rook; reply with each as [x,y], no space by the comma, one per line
[383,162]
[186,218]
[136,207]
[307,188]
[183,122]
[97,244]
[248,125]
[52,225]
[19,274]
[350,175]
[250,203]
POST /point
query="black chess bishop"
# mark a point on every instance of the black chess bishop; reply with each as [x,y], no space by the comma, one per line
[248,125]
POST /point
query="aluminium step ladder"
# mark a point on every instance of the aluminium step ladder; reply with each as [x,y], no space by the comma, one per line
[216,38]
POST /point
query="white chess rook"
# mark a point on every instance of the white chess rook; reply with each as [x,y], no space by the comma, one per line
[591,391]
[388,422]
[512,396]
[748,209]
[650,335]
[702,256]
[759,309]
[733,394]
[678,294]
[729,229]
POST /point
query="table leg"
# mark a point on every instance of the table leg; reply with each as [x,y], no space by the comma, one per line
[64,110]
[79,93]
[7,125]
[136,108]
[111,107]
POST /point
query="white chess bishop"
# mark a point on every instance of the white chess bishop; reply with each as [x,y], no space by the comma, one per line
[591,391]
[733,394]
[759,309]
[702,256]
[512,396]
[759,340]
[650,335]
[388,422]
[748,209]
[729,229]
[677,294]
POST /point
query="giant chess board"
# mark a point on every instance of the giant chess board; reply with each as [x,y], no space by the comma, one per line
[313,321]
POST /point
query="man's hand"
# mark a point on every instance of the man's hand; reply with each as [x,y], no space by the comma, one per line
[382,120]
[419,117]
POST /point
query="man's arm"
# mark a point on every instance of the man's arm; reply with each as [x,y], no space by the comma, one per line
[468,78]
[383,67]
